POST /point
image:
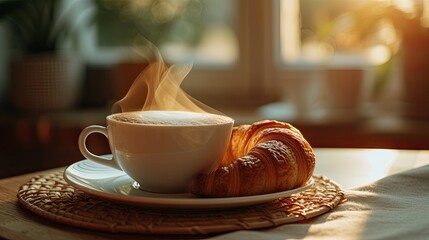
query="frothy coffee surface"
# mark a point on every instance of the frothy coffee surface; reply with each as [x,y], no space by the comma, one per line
[174,118]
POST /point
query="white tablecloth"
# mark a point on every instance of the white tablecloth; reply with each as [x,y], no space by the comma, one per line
[395,207]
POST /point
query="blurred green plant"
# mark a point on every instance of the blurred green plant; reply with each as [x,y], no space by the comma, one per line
[37,25]
[160,21]
[381,23]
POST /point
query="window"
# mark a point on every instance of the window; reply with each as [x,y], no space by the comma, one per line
[255,51]
[319,33]
[218,66]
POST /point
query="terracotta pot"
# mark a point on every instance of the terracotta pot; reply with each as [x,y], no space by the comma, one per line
[45,82]
[344,88]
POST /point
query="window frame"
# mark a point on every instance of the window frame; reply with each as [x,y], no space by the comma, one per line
[259,75]
[252,80]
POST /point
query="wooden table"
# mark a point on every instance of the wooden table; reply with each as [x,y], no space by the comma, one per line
[348,167]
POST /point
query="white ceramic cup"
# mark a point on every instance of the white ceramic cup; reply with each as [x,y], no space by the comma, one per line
[164,152]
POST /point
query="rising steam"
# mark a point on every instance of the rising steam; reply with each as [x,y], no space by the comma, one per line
[158,86]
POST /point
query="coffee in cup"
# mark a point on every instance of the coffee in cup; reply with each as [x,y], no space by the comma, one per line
[162,150]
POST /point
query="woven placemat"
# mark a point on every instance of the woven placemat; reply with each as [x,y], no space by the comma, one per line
[50,196]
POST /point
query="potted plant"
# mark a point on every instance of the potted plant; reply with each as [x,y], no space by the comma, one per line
[41,77]
[407,41]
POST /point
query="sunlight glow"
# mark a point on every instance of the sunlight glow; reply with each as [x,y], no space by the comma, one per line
[379,162]
[404,5]
[425,17]
[316,51]
[378,54]
[289,30]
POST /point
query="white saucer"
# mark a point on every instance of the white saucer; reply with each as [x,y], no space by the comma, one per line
[115,185]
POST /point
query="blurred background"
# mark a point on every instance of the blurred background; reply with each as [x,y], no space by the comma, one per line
[347,73]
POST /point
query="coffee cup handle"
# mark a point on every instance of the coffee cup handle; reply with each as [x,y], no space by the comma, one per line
[88,154]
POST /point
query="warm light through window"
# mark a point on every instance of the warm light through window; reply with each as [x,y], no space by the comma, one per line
[317,31]
[289,30]
[404,5]
[378,54]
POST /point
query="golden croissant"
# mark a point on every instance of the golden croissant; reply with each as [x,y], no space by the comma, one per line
[264,157]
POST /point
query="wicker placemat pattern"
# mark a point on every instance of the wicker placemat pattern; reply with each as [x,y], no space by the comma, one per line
[50,196]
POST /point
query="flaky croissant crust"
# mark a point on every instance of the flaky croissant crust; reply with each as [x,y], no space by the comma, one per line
[264,157]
